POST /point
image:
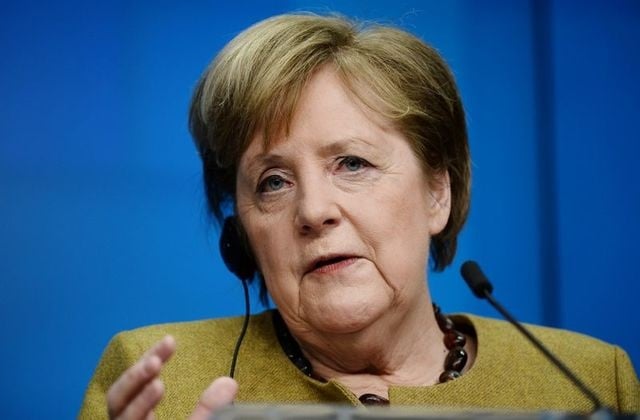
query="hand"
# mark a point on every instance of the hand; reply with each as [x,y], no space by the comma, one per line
[138,390]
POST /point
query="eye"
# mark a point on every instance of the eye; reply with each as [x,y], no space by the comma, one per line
[352,163]
[271,183]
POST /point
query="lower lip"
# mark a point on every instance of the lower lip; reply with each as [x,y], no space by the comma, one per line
[337,266]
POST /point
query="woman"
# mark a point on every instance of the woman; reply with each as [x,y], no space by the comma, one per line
[343,152]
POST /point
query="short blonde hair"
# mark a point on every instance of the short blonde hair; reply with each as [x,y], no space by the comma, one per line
[254,84]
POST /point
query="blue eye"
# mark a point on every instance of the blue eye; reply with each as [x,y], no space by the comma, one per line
[271,183]
[353,163]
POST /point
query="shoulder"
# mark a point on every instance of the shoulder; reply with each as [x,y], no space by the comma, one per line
[215,332]
[204,351]
[497,339]
[208,341]
[558,339]
[504,352]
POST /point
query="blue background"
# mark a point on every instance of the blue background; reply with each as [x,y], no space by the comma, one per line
[102,216]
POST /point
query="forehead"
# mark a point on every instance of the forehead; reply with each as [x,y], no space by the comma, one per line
[328,115]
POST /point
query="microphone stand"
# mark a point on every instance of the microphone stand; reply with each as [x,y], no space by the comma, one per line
[482,288]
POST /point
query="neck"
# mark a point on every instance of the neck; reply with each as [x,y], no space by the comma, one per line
[401,350]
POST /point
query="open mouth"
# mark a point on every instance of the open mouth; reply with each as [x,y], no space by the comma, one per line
[326,264]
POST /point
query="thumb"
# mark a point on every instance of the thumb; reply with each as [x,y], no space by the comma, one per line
[221,392]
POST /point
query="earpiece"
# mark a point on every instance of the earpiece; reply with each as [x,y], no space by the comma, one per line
[234,252]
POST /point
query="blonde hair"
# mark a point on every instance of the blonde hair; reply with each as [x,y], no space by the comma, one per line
[254,84]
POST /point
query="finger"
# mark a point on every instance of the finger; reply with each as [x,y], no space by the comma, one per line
[163,348]
[143,404]
[136,377]
[131,382]
[221,392]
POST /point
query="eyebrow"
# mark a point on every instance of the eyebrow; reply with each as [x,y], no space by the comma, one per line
[263,160]
[341,145]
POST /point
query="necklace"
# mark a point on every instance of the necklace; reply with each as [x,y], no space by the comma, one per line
[454,363]
[454,341]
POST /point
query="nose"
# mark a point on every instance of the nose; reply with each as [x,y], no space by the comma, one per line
[317,208]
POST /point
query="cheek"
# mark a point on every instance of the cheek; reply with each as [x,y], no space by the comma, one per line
[271,244]
[397,228]
[268,248]
[402,212]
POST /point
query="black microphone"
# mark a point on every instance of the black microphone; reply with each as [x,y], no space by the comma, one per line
[482,288]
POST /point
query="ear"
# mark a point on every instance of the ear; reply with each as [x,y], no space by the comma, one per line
[440,206]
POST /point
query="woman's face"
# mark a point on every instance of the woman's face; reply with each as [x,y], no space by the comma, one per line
[339,213]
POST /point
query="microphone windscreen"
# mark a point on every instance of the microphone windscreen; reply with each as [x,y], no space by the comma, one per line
[475,278]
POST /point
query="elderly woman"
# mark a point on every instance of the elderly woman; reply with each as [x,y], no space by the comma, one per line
[343,153]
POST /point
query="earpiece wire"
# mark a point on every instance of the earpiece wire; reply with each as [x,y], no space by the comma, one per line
[245,325]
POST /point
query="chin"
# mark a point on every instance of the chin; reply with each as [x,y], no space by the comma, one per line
[344,316]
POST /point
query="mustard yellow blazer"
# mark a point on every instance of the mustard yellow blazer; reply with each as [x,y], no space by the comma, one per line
[508,372]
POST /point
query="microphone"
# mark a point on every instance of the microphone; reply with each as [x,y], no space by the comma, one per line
[482,288]
[476,280]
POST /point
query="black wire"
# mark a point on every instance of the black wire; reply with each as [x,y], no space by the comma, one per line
[245,325]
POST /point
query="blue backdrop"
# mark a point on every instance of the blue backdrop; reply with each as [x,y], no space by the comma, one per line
[102,221]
